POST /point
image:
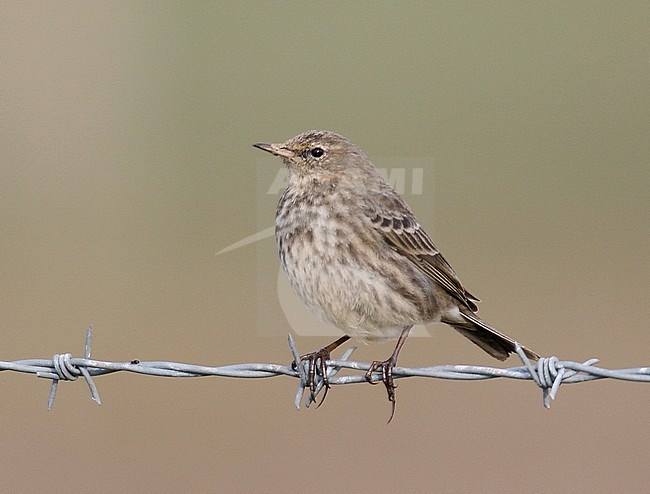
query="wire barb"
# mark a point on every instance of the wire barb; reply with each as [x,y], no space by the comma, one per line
[65,370]
[548,374]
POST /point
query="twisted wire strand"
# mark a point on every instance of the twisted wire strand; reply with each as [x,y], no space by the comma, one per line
[548,374]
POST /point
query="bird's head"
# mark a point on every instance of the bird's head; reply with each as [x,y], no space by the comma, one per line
[319,154]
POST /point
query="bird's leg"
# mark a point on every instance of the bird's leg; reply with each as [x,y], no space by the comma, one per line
[387,369]
[323,356]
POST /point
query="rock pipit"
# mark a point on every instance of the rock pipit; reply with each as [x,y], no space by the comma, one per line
[358,258]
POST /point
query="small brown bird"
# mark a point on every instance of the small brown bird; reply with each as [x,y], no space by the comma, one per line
[358,258]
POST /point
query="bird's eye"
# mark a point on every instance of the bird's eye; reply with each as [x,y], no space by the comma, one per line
[317,152]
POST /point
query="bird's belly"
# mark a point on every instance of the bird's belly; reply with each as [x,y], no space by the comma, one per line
[351,292]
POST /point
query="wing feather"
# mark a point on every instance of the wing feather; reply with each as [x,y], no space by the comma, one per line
[401,230]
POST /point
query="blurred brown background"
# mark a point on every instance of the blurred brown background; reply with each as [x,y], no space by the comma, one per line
[126,164]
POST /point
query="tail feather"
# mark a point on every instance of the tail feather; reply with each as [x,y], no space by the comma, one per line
[489,339]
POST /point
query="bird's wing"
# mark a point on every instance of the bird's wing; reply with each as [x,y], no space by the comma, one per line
[400,229]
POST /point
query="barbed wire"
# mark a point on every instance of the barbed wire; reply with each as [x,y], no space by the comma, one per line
[549,372]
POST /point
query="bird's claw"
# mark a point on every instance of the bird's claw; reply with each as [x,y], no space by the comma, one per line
[317,360]
[386,367]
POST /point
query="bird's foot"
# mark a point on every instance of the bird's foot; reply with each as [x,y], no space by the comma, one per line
[386,367]
[318,360]
[317,365]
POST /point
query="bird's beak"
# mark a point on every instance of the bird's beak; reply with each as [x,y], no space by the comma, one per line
[275,149]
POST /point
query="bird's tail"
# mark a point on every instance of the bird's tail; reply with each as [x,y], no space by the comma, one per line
[489,339]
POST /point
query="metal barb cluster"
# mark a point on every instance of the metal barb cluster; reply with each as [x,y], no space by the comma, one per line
[548,374]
